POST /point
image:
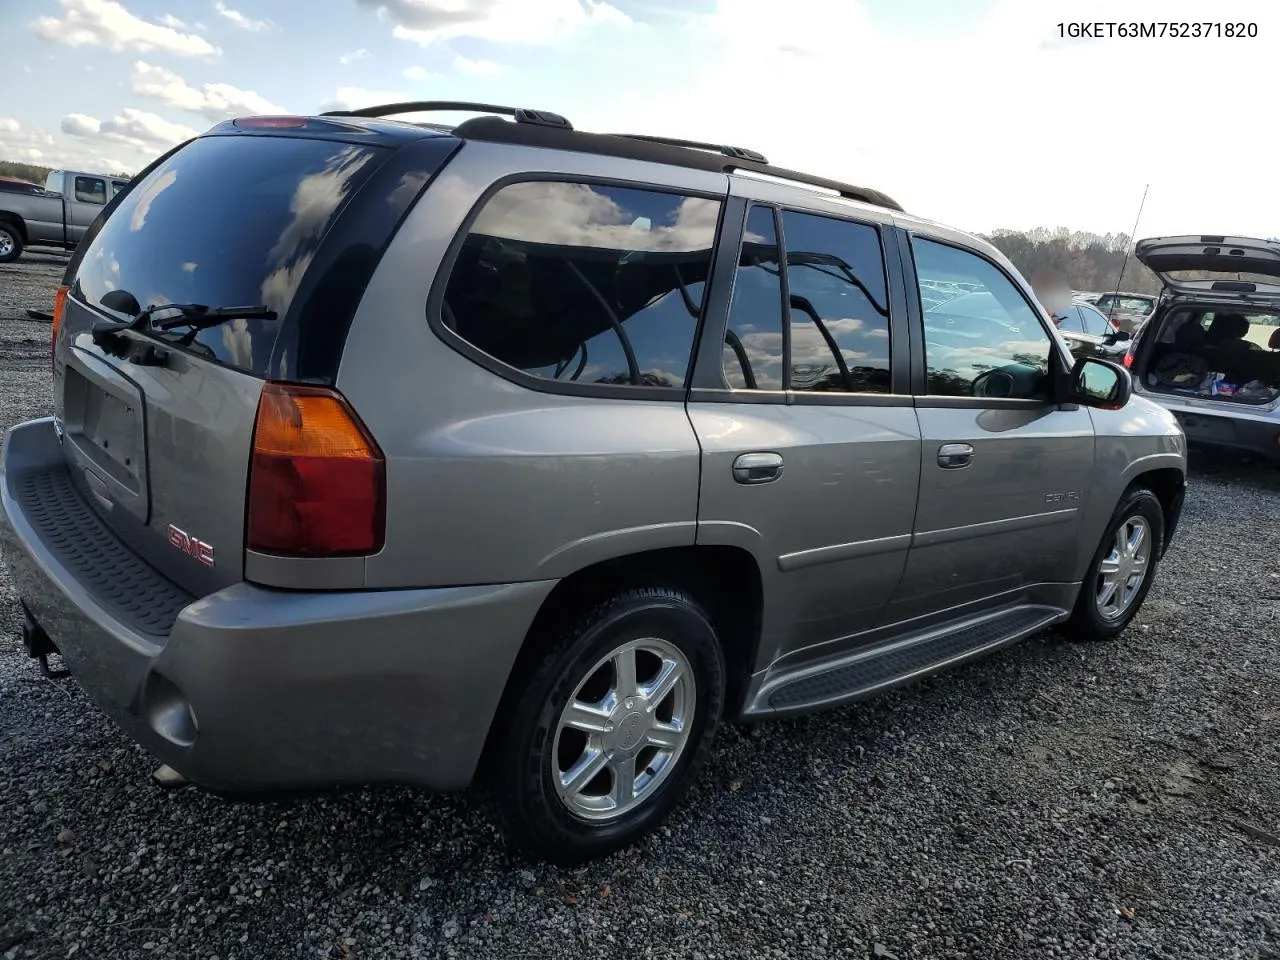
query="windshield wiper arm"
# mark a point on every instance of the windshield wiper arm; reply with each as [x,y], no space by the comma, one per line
[198,316]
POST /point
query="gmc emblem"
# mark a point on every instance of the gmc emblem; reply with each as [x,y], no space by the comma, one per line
[190,545]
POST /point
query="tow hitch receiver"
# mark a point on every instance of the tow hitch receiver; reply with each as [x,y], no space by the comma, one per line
[39,647]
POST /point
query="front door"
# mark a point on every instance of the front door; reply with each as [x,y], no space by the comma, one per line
[1005,471]
[810,448]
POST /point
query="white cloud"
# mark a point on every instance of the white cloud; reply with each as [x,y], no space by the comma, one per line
[416,73]
[216,101]
[992,124]
[353,98]
[349,58]
[477,68]
[241,20]
[34,145]
[172,22]
[106,23]
[139,129]
[504,21]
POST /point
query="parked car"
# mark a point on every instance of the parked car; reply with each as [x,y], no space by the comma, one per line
[1089,333]
[1085,296]
[500,457]
[55,215]
[1211,351]
[1128,311]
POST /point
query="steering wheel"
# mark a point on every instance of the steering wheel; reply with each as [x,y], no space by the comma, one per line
[994,383]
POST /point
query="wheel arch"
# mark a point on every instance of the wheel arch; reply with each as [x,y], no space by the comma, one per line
[726,580]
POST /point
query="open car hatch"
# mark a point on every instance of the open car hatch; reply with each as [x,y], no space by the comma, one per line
[1213,264]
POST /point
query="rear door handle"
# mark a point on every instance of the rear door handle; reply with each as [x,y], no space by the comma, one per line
[757,467]
[953,456]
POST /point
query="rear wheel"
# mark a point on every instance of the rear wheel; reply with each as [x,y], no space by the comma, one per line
[1122,569]
[611,728]
[10,242]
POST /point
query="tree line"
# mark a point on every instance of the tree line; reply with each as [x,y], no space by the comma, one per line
[33,172]
[1090,261]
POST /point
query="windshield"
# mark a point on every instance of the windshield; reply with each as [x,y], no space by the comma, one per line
[224,221]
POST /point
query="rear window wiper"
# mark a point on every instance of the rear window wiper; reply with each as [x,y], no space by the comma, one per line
[196,316]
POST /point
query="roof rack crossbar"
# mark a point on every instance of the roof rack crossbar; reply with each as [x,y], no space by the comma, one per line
[737,153]
[521,114]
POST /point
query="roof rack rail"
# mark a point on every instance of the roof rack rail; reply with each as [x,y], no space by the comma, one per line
[685,153]
[542,118]
[737,153]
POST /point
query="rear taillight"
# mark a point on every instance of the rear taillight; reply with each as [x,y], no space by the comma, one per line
[317,480]
[59,306]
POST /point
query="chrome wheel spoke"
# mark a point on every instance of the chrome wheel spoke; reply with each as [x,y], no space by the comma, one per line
[1110,566]
[624,666]
[624,781]
[584,771]
[589,718]
[666,736]
[661,685]
[1108,592]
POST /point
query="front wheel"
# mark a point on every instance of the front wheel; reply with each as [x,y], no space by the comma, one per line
[1122,569]
[10,242]
[611,728]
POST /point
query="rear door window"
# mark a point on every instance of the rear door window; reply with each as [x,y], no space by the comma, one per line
[839,309]
[225,221]
[584,284]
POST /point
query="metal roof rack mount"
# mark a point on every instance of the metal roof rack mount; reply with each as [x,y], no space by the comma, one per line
[737,153]
[544,118]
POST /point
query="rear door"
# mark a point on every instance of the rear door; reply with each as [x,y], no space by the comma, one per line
[1005,472]
[161,447]
[810,448]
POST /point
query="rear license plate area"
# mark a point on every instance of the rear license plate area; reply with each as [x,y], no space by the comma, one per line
[103,433]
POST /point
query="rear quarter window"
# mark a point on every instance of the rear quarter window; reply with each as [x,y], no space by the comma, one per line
[583,285]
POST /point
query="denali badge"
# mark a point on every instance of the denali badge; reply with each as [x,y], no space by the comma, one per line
[191,546]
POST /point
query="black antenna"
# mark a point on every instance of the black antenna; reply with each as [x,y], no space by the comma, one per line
[1133,240]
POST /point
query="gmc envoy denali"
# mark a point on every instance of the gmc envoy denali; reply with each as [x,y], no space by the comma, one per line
[511,454]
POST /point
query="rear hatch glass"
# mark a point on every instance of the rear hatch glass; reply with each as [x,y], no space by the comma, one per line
[161,450]
[226,221]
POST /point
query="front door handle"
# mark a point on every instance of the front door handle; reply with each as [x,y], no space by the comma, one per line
[953,456]
[757,468]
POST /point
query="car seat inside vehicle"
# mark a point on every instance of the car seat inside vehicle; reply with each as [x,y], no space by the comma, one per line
[1220,355]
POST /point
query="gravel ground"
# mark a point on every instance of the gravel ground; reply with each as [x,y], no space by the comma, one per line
[1120,800]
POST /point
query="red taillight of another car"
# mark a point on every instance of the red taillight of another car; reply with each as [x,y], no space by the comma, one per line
[59,307]
[317,480]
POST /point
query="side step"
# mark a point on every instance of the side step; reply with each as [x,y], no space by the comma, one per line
[869,671]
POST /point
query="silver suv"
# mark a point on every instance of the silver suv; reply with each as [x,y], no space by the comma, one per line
[512,454]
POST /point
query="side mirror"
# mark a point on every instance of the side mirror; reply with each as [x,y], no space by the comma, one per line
[1119,336]
[1099,383]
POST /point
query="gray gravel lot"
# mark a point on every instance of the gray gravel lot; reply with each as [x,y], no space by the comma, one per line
[1120,800]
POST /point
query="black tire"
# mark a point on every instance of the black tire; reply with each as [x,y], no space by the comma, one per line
[10,238]
[1087,622]
[533,816]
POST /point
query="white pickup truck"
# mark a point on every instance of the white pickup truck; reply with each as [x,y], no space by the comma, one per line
[54,215]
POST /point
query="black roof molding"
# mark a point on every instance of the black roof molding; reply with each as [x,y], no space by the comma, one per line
[497,130]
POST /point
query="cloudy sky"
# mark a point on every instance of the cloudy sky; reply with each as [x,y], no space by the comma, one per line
[974,112]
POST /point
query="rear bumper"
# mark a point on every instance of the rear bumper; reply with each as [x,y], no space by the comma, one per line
[254,689]
[1233,429]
